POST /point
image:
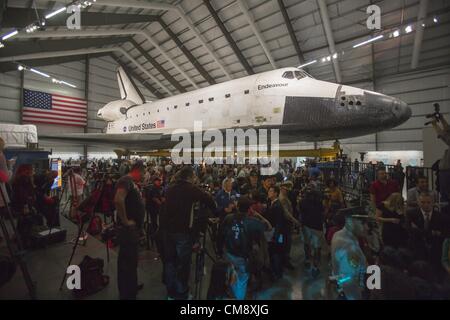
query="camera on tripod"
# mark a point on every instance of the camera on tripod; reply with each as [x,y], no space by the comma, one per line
[436,115]
[200,219]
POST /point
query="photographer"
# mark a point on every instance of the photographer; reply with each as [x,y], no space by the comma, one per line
[130,212]
[180,198]
[444,165]
[154,199]
[237,234]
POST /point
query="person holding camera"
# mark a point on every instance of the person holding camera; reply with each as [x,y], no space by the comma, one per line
[154,199]
[130,212]
[181,195]
[444,165]
[237,233]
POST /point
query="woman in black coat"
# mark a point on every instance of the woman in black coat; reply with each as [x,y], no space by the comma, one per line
[392,217]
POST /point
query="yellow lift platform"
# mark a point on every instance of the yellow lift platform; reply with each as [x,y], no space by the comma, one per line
[322,153]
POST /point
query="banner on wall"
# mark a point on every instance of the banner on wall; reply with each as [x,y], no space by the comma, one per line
[50,108]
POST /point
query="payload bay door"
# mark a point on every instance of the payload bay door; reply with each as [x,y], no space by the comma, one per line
[240,106]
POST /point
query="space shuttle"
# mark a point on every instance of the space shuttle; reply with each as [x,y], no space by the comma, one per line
[288,99]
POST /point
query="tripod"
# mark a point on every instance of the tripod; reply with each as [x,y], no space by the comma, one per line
[16,253]
[82,222]
[73,198]
[200,263]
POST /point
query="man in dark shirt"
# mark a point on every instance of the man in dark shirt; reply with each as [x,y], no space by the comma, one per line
[252,184]
[312,216]
[178,222]
[277,218]
[154,199]
[237,233]
[130,212]
[426,227]
[267,182]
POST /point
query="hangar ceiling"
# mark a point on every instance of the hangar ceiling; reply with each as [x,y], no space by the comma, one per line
[178,46]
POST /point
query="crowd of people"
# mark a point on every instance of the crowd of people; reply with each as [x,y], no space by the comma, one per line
[252,221]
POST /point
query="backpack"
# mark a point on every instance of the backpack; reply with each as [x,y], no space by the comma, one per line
[237,238]
[92,278]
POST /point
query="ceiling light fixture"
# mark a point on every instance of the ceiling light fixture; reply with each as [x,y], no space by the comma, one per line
[408,29]
[368,41]
[68,84]
[9,35]
[307,64]
[40,73]
[54,13]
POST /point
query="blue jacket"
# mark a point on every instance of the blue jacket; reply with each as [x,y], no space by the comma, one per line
[223,200]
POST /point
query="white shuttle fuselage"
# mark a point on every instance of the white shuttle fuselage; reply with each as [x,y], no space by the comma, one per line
[303,108]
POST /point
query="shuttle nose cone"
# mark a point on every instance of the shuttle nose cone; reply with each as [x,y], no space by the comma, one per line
[401,110]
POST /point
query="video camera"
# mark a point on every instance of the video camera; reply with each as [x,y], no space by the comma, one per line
[207,188]
[436,115]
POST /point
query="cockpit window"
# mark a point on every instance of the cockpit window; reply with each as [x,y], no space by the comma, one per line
[300,74]
[288,75]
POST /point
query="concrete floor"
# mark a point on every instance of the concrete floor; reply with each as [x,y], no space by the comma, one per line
[47,267]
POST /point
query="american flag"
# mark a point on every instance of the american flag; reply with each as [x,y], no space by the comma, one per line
[160,124]
[42,107]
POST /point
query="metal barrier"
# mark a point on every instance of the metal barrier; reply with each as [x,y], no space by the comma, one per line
[356,178]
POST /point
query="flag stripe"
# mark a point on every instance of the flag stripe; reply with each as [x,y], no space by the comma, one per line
[62,118]
[61,96]
[80,112]
[69,114]
[75,103]
[68,106]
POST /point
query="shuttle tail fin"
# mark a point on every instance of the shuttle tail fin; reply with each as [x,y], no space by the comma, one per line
[128,89]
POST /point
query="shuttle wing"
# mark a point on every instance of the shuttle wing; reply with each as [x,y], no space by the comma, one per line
[134,141]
